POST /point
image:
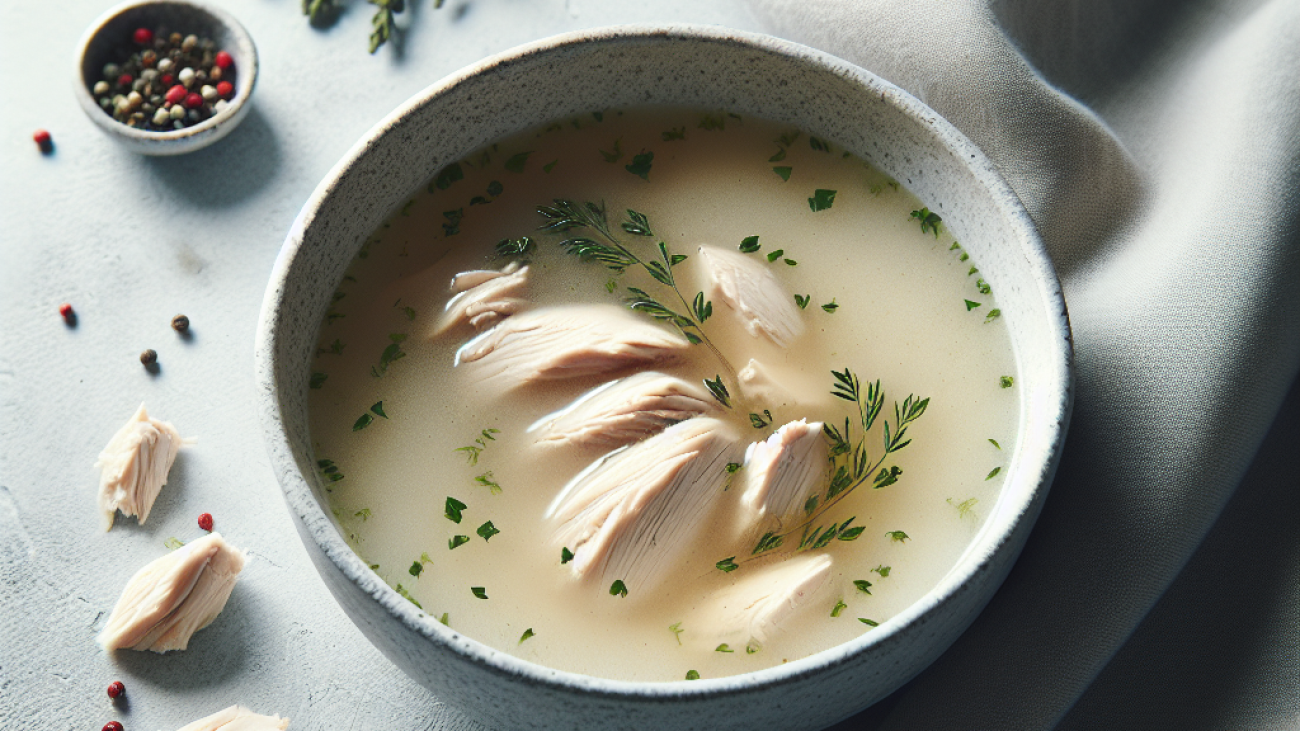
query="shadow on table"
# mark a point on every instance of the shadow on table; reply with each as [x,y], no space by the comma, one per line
[227,172]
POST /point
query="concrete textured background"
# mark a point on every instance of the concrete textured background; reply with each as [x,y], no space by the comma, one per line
[131,241]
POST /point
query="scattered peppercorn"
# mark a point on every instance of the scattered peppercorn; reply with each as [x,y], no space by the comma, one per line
[116,689]
[142,36]
[65,310]
[205,522]
[43,140]
[149,357]
[224,61]
[112,726]
[181,324]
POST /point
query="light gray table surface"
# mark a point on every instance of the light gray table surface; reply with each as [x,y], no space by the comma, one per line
[131,241]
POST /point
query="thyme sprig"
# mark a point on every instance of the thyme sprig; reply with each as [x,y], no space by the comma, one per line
[601,245]
[851,463]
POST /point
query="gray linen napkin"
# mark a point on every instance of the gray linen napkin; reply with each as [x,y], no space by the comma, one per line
[1157,147]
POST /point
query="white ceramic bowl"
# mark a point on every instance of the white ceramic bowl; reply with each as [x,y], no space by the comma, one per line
[105,40]
[701,67]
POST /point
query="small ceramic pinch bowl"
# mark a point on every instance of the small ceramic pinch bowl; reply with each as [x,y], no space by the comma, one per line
[699,67]
[108,40]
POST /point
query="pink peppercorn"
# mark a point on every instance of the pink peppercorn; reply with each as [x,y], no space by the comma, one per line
[176,94]
[112,726]
[225,89]
[167,79]
[193,100]
[142,36]
[43,140]
[205,521]
[116,689]
[125,80]
[65,310]
[224,61]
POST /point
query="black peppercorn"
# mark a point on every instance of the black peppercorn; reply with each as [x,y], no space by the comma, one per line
[181,324]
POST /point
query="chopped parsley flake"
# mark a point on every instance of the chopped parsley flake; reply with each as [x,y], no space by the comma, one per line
[883,571]
[831,306]
[733,468]
[692,675]
[565,555]
[897,535]
[727,565]
[863,585]
[479,592]
[783,171]
[516,162]
[676,133]
[677,631]
[317,380]
[445,619]
[994,314]
[407,595]
[548,167]
[749,245]
[455,541]
[614,155]
[971,305]
[993,474]
[449,175]
[822,199]
[818,145]
[618,588]
[1007,381]
[640,166]
[802,300]
[994,442]
[930,222]
[416,569]
[364,514]
[378,409]
[487,530]
[751,648]
[453,508]
[362,422]
[774,255]
[452,226]
[840,606]
[966,508]
[724,647]
[527,633]
[486,480]
[869,622]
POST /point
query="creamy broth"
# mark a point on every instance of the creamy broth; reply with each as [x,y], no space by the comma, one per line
[912,311]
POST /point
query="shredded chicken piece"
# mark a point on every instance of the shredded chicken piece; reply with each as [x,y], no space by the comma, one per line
[758,385]
[133,467]
[764,598]
[624,411]
[783,470]
[483,298]
[238,718]
[569,342]
[750,288]
[629,514]
[174,596]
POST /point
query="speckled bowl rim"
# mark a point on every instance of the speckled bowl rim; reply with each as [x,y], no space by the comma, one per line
[200,135]
[1003,521]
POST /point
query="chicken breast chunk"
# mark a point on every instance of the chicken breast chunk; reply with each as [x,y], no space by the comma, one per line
[174,596]
[630,514]
[238,718]
[624,411]
[133,467]
[483,297]
[762,599]
[748,286]
[782,471]
[568,342]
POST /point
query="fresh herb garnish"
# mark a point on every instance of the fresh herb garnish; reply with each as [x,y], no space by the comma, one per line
[710,122]
[971,305]
[751,648]
[453,508]
[452,226]
[392,353]
[724,647]
[486,480]
[784,172]
[732,467]
[994,314]
[727,565]
[897,536]
[487,530]
[173,543]
[1007,381]
[965,508]
[455,541]
[335,348]
[802,300]
[761,421]
[676,133]
[362,422]
[718,390]
[479,591]
[515,247]
[982,286]
[378,409]
[831,306]
[548,167]
[527,633]
[774,255]
[863,585]
[994,442]
[818,145]
[640,166]
[364,514]
[869,622]
[618,588]
[840,606]
[749,245]
[445,619]
[407,596]
[882,570]
[692,675]
[416,569]
[480,443]
[677,631]
[791,262]
[447,176]
[565,555]
[330,469]
[930,221]
[993,474]
[822,199]
[317,380]
[703,310]
[515,163]
[615,154]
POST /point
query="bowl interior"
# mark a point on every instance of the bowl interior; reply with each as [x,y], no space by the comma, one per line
[710,69]
[108,40]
